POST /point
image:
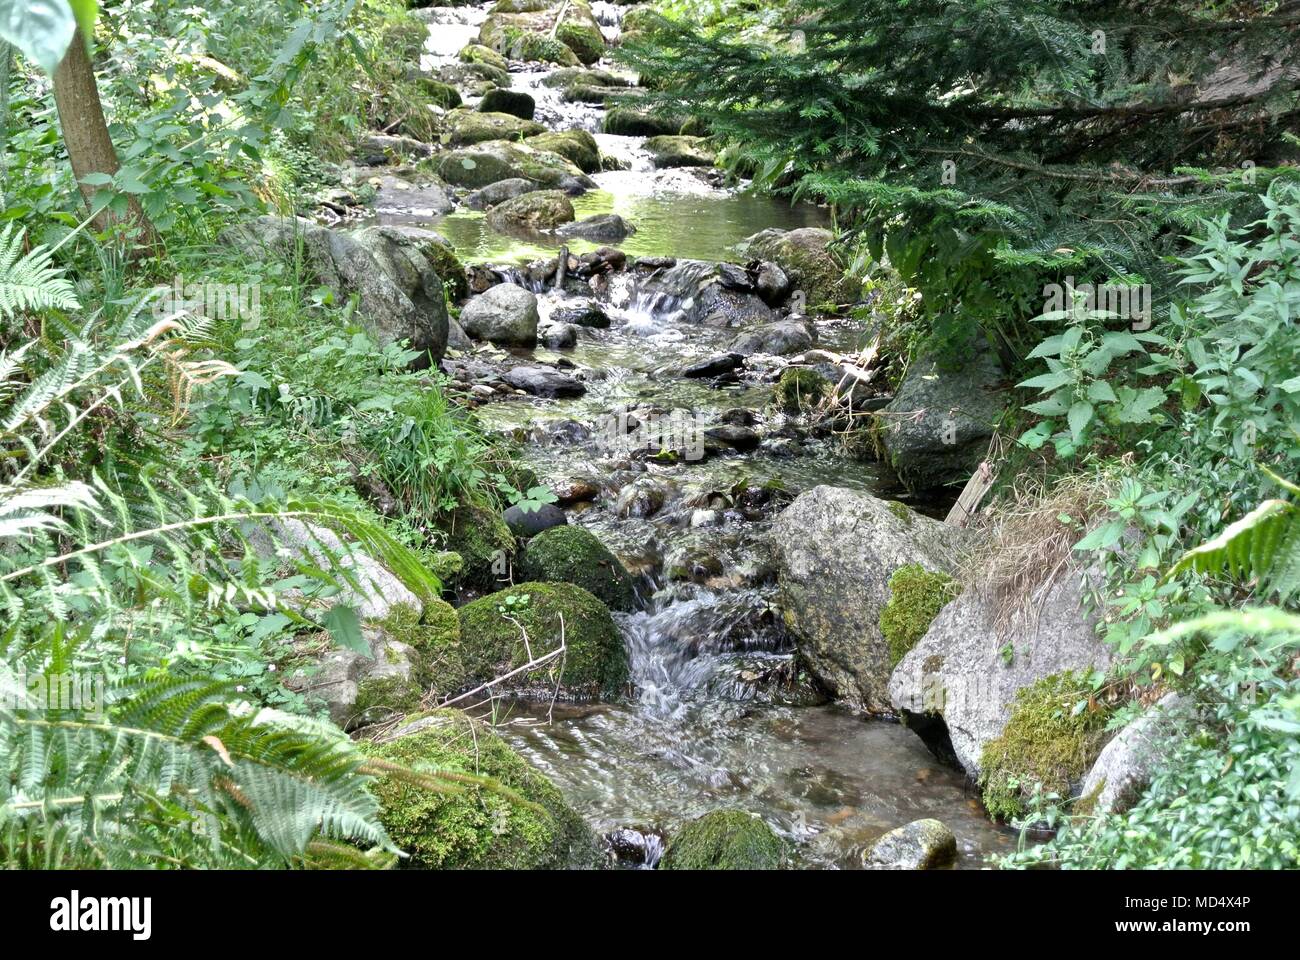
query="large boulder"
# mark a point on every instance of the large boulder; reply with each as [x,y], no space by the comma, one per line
[777,339]
[500,631]
[502,814]
[938,426]
[504,314]
[725,840]
[577,146]
[515,102]
[1125,765]
[539,210]
[401,198]
[467,127]
[572,554]
[500,192]
[969,667]
[602,228]
[808,261]
[836,550]
[493,160]
[399,292]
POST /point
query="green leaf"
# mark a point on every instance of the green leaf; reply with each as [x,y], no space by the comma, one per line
[1099,391]
[42,30]
[1106,535]
[85,11]
[345,628]
[1079,417]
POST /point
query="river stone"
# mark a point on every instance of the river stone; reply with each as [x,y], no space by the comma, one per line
[736,437]
[543,382]
[504,314]
[714,294]
[603,228]
[377,149]
[585,314]
[577,146]
[919,845]
[398,291]
[627,122]
[486,163]
[573,554]
[725,840]
[714,366]
[777,339]
[941,420]
[673,151]
[499,192]
[959,671]
[467,127]
[771,283]
[529,523]
[540,210]
[1124,767]
[514,102]
[806,258]
[397,197]
[477,53]
[835,552]
[558,336]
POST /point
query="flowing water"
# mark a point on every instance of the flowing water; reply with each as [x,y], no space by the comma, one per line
[715,720]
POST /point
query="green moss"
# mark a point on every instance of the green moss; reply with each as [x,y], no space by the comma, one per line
[491,645]
[916,596]
[577,146]
[379,698]
[468,127]
[521,45]
[572,554]
[1045,743]
[478,828]
[725,840]
[430,635]
[477,53]
[484,543]
[584,40]
[800,389]
[446,565]
[626,122]
[442,94]
[900,510]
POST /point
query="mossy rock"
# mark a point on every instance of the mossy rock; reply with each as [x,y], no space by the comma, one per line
[515,820]
[514,102]
[800,389]
[494,160]
[725,840]
[428,634]
[477,53]
[484,543]
[465,128]
[678,151]
[520,6]
[582,77]
[573,554]
[1045,744]
[539,210]
[577,146]
[442,94]
[626,122]
[440,253]
[491,645]
[382,697]
[586,41]
[916,595]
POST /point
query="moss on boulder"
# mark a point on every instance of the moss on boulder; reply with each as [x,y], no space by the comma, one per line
[586,41]
[573,554]
[916,595]
[539,210]
[477,53]
[725,840]
[626,122]
[441,94]
[799,389]
[807,258]
[484,543]
[577,146]
[467,127]
[493,160]
[491,645]
[478,828]
[1046,744]
[678,151]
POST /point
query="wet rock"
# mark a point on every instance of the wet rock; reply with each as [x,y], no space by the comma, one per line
[835,551]
[544,382]
[941,420]
[736,437]
[504,314]
[718,295]
[577,490]
[776,339]
[1124,767]
[398,290]
[397,197]
[676,151]
[540,210]
[529,523]
[635,848]
[627,122]
[558,336]
[599,262]
[807,260]
[771,283]
[577,146]
[585,314]
[486,163]
[696,566]
[641,499]
[566,432]
[725,840]
[513,102]
[714,366]
[579,77]
[967,672]
[738,416]
[605,228]
[378,149]
[920,845]
[467,127]
[766,679]
[499,192]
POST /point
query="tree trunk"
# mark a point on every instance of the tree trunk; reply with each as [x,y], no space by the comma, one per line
[85,134]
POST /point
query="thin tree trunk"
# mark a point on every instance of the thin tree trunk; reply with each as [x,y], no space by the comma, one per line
[85,134]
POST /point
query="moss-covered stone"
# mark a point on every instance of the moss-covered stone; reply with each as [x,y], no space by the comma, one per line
[586,41]
[440,253]
[626,122]
[484,543]
[539,210]
[429,634]
[495,160]
[477,53]
[577,146]
[442,94]
[725,840]
[678,151]
[1046,744]
[467,127]
[572,554]
[478,827]
[916,595]
[382,697]
[514,102]
[800,389]
[492,644]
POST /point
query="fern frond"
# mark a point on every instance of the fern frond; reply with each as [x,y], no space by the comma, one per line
[28,281]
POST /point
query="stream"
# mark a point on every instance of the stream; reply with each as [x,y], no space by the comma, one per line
[716,720]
